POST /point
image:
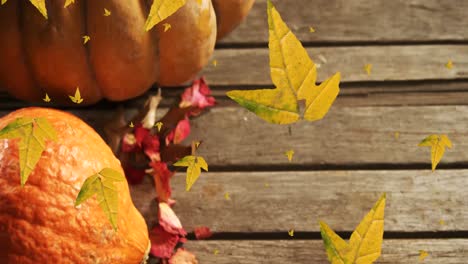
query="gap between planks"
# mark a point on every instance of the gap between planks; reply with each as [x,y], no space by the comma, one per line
[450,251]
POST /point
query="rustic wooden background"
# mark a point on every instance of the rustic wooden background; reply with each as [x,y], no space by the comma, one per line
[344,162]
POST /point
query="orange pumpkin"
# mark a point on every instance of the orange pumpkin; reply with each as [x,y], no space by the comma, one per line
[120,61]
[39,222]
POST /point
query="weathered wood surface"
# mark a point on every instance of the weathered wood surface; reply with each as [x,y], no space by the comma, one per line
[389,63]
[450,251]
[280,200]
[360,21]
[346,136]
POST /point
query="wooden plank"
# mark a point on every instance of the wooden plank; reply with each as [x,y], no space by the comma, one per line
[450,251]
[280,200]
[360,21]
[347,136]
[234,136]
[351,94]
[389,63]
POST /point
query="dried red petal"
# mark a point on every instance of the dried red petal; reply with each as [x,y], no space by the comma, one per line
[129,143]
[161,176]
[180,133]
[202,232]
[169,221]
[151,147]
[133,175]
[162,242]
[140,134]
[183,256]
[198,95]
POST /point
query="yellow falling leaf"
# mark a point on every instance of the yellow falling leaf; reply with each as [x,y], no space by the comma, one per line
[365,244]
[397,135]
[294,74]
[226,196]
[107,12]
[437,144]
[68,2]
[41,6]
[368,68]
[289,154]
[160,10]
[311,29]
[291,232]
[441,222]
[47,98]
[194,165]
[449,64]
[159,124]
[3,1]
[131,124]
[167,26]
[215,63]
[77,97]
[216,252]
[422,255]
[86,39]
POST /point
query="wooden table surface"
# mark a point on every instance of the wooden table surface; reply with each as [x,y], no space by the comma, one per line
[343,163]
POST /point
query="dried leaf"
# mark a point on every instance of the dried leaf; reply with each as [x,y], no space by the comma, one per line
[365,244]
[422,255]
[194,165]
[3,2]
[289,154]
[226,196]
[167,26]
[77,97]
[32,134]
[437,144]
[41,6]
[102,184]
[159,125]
[68,2]
[46,99]
[107,12]
[161,176]
[160,10]
[183,256]
[294,75]
[368,68]
[291,232]
[169,221]
[86,39]
[449,64]
[162,242]
[180,133]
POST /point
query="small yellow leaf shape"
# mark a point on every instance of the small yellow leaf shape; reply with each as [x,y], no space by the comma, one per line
[160,10]
[365,244]
[294,74]
[86,39]
[289,154]
[47,98]
[449,64]
[167,26]
[437,144]
[68,2]
[422,255]
[215,63]
[226,196]
[159,124]
[194,165]
[102,184]
[131,124]
[397,135]
[3,1]
[291,232]
[368,68]
[311,29]
[32,134]
[441,222]
[197,143]
[41,6]
[77,97]
[107,12]
[216,252]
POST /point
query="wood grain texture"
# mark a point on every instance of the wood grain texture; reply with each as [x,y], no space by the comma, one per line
[389,63]
[450,251]
[416,200]
[360,21]
[234,136]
